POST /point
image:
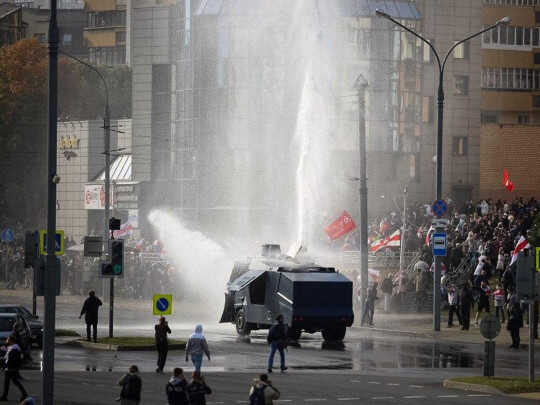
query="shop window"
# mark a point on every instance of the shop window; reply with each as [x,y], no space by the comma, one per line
[523,119]
[536,101]
[537,58]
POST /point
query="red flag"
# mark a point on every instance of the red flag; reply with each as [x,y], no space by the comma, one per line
[507,182]
[341,226]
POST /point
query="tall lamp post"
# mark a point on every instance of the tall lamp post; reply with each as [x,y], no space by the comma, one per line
[361,85]
[107,152]
[440,103]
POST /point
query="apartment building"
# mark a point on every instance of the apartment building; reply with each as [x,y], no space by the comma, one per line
[105,32]
[510,98]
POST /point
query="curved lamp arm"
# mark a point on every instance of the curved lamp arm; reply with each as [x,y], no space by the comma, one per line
[95,70]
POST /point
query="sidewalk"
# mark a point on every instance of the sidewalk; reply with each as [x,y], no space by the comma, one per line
[421,326]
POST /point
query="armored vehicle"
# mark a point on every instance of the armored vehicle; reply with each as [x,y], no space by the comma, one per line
[311,298]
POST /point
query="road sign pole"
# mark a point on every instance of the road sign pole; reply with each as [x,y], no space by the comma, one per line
[532,324]
[437,295]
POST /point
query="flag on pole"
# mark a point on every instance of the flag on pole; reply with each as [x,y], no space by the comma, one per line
[522,244]
[392,240]
[507,182]
[341,226]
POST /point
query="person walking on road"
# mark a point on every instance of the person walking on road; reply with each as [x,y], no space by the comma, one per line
[196,347]
[277,338]
[262,391]
[131,385]
[176,388]
[466,300]
[162,343]
[197,389]
[515,322]
[498,300]
[12,361]
[90,311]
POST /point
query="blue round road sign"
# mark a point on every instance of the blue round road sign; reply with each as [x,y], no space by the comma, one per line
[7,235]
[439,208]
[162,304]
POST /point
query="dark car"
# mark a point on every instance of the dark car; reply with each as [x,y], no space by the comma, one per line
[36,326]
[310,297]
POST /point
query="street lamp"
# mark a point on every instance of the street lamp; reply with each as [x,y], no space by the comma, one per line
[440,103]
[107,153]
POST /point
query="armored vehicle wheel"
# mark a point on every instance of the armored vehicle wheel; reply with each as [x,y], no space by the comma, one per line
[337,333]
[294,333]
[242,327]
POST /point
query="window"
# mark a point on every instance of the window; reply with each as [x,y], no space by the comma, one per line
[536,101]
[427,57]
[120,37]
[427,109]
[461,51]
[461,85]
[523,118]
[459,145]
[40,37]
[537,17]
[537,58]
[489,117]
[67,39]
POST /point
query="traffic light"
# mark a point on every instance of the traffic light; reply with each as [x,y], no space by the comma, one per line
[116,267]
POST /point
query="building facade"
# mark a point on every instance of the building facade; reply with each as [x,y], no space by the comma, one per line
[246,118]
[12,27]
[510,98]
[81,162]
[105,33]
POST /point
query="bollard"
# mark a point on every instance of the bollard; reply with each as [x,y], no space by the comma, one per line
[489,358]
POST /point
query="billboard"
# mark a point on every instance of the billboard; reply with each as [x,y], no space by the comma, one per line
[94,197]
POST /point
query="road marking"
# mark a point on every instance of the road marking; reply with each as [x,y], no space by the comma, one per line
[348,399]
[416,386]
[478,395]
[393,384]
[242,402]
[281,400]
[314,399]
[215,403]
[382,398]
[447,396]
[371,382]
[414,396]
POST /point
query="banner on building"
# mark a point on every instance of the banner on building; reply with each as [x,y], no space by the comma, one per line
[94,197]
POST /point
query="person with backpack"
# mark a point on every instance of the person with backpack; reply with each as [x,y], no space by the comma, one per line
[162,344]
[196,347]
[131,385]
[262,391]
[197,389]
[12,362]
[176,388]
[277,339]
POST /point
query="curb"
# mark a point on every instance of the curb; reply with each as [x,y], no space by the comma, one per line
[119,348]
[398,332]
[472,387]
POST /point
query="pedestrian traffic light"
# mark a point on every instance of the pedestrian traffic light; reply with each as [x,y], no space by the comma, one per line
[116,266]
[117,257]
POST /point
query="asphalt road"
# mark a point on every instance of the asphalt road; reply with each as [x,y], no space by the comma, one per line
[297,388]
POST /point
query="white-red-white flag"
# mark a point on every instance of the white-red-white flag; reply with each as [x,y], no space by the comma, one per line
[392,240]
[522,244]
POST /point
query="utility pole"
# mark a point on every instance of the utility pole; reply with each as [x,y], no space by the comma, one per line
[402,240]
[107,128]
[360,85]
[52,263]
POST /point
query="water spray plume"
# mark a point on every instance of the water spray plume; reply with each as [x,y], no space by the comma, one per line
[202,265]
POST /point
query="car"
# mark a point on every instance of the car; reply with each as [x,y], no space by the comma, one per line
[36,326]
